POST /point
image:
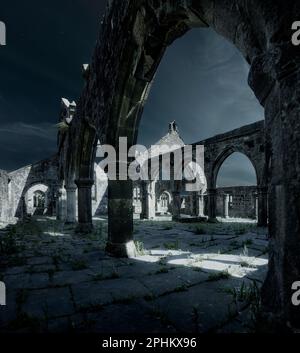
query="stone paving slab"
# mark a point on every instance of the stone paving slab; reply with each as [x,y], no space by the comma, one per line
[259,274]
[181,282]
[62,278]
[38,280]
[48,303]
[133,318]
[59,325]
[90,295]
[100,293]
[163,283]
[125,289]
[15,270]
[190,311]
[137,270]
[40,260]
[17,281]
[189,277]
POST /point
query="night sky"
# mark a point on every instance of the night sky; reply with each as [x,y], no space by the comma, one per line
[201,83]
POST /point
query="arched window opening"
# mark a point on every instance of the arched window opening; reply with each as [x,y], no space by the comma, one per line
[236,188]
[164,203]
[39,199]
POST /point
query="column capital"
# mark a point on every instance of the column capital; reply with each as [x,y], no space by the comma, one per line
[84,183]
[71,188]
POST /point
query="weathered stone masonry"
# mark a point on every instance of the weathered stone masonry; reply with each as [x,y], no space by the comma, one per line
[237,202]
[4,210]
[248,140]
[132,41]
[133,38]
[159,199]
[40,188]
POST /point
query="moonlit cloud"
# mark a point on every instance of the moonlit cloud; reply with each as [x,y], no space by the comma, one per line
[43,131]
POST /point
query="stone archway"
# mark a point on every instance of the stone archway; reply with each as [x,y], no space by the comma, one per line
[85,152]
[237,200]
[133,39]
[164,202]
[223,157]
[248,140]
[258,166]
[36,199]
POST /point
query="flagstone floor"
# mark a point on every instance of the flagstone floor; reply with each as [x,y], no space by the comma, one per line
[188,278]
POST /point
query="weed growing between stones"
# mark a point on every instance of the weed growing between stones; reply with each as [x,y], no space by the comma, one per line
[172,245]
[139,245]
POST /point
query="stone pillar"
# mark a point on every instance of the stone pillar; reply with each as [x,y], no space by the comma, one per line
[278,86]
[256,206]
[211,203]
[61,205]
[85,222]
[262,206]
[23,208]
[120,219]
[193,204]
[176,205]
[197,209]
[200,205]
[150,200]
[71,204]
[225,205]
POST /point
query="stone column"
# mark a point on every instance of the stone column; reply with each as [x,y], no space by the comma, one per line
[262,206]
[256,206]
[200,205]
[150,200]
[85,222]
[278,86]
[120,219]
[176,205]
[211,203]
[61,205]
[196,208]
[71,204]
[225,205]
[193,201]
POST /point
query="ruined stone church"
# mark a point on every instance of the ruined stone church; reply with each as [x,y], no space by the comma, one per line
[133,39]
[41,188]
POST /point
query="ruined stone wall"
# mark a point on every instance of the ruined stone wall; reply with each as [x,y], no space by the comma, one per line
[163,186]
[23,179]
[4,211]
[131,43]
[248,140]
[242,201]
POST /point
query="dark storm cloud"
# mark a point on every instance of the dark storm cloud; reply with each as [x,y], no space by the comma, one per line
[201,82]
